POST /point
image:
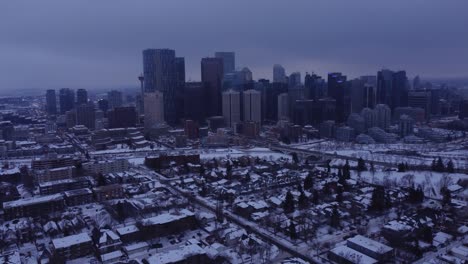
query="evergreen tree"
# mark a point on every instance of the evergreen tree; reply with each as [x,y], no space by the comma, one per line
[101,180]
[299,188]
[361,165]
[308,182]
[294,157]
[315,197]
[440,165]
[378,199]
[427,234]
[120,210]
[292,230]
[347,170]
[446,197]
[303,202]
[401,167]
[339,194]
[434,165]
[288,205]
[335,217]
[450,167]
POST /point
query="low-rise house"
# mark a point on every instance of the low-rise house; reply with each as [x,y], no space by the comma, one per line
[71,247]
[190,254]
[78,197]
[167,223]
[346,255]
[129,233]
[59,186]
[371,248]
[34,206]
[108,192]
[111,257]
[108,242]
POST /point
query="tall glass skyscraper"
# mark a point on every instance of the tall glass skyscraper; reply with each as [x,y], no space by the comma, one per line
[229,60]
[160,74]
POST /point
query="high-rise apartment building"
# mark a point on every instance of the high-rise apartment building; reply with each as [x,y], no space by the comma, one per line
[252,106]
[114,98]
[231,108]
[154,109]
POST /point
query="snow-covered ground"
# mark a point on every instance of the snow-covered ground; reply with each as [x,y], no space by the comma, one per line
[263,153]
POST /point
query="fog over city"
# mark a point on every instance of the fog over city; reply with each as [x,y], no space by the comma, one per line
[98,44]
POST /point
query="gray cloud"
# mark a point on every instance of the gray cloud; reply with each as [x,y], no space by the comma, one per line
[53,44]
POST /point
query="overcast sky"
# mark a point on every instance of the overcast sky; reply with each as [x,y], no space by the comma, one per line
[97,44]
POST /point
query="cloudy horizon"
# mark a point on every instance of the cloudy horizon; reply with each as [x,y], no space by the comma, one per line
[90,44]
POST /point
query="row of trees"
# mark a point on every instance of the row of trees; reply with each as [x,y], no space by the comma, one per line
[439,166]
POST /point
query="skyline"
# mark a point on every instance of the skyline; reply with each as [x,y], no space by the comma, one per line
[74,45]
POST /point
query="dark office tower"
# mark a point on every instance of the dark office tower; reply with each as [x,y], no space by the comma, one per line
[86,116]
[314,87]
[270,99]
[51,102]
[124,116]
[67,100]
[229,61]
[195,104]
[384,86]
[81,96]
[357,95]
[114,98]
[337,89]
[103,105]
[160,74]
[420,99]
[463,109]
[212,76]
[392,88]
[180,87]
[399,90]
[294,94]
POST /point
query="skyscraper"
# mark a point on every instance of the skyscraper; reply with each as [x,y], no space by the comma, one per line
[180,87]
[67,100]
[103,105]
[81,96]
[86,115]
[392,88]
[252,106]
[231,108]
[212,75]
[161,74]
[51,102]
[383,116]
[294,79]
[154,109]
[195,103]
[314,86]
[283,106]
[114,98]
[337,90]
[122,116]
[279,74]
[229,61]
